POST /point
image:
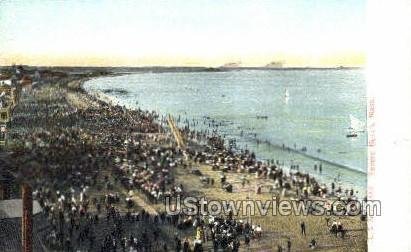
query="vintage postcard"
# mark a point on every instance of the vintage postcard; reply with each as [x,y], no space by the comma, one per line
[188,126]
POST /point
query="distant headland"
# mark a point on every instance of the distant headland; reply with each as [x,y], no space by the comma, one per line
[164,69]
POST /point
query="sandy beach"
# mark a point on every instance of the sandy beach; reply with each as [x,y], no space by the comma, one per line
[100,173]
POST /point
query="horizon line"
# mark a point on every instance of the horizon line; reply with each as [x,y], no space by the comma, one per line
[181,66]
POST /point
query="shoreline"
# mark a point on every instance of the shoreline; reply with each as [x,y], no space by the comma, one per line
[290,149]
[86,141]
[234,177]
[97,95]
[275,145]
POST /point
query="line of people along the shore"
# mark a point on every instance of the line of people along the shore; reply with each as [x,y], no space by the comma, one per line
[66,151]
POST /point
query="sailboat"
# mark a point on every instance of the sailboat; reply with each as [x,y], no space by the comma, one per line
[286,96]
[356,126]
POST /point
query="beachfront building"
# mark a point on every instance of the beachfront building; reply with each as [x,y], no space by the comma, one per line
[5,114]
[5,82]
[26,83]
[6,103]
[3,76]
[22,222]
[14,80]
[3,134]
[36,77]
[11,233]
[7,181]
[5,92]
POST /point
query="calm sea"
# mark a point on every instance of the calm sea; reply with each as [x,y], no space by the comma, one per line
[303,109]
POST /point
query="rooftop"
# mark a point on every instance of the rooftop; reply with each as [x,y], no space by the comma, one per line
[10,234]
[14,208]
[5,176]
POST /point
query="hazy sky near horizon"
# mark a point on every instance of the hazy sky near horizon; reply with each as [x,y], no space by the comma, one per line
[208,33]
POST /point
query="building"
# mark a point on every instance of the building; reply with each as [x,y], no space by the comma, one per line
[5,82]
[14,80]
[26,80]
[232,64]
[13,208]
[11,212]
[37,76]
[7,180]
[275,64]
[3,139]
[5,114]
[9,96]
[3,77]
[26,83]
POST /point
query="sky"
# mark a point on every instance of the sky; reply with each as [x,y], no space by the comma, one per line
[182,33]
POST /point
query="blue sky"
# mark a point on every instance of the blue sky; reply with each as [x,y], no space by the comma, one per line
[181,32]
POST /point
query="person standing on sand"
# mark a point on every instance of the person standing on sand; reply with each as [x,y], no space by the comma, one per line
[186,245]
[247,240]
[222,179]
[313,244]
[302,228]
[243,180]
[289,245]
[178,244]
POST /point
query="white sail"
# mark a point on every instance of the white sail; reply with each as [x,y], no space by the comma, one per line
[287,94]
[356,125]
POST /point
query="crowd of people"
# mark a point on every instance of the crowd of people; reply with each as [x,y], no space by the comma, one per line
[70,154]
[64,151]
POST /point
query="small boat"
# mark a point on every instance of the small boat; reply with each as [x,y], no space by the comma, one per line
[352,134]
[286,96]
[356,126]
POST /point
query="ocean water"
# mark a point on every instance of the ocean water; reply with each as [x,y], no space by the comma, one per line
[315,116]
